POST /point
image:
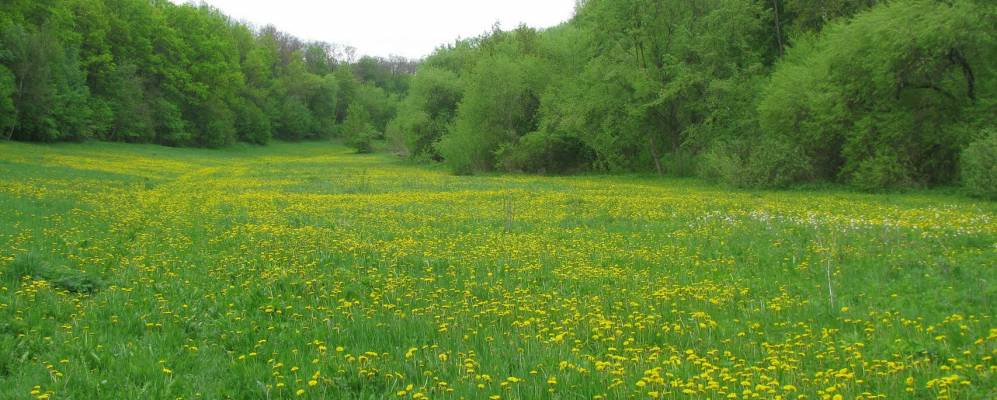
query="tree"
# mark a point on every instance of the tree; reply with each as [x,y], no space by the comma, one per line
[426,112]
[357,129]
[8,117]
[498,107]
[879,109]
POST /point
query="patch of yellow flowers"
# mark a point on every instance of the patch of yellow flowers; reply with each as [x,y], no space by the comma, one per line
[326,274]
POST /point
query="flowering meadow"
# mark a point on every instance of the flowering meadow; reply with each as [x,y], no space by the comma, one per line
[303,271]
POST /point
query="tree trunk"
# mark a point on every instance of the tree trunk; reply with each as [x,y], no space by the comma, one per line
[778,28]
[967,72]
[20,91]
[654,154]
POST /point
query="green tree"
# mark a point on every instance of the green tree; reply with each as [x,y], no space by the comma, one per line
[426,112]
[876,108]
[357,129]
[8,116]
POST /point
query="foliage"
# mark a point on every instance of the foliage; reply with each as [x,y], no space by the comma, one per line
[759,94]
[979,166]
[498,107]
[540,152]
[181,75]
[357,129]
[883,99]
[7,111]
[426,113]
[763,162]
[752,93]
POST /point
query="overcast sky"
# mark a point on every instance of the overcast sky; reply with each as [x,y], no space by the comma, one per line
[409,28]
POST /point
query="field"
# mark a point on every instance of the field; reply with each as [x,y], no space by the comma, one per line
[305,271]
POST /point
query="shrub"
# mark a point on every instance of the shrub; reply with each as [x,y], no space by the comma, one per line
[362,141]
[877,99]
[766,162]
[884,170]
[357,129]
[721,164]
[545,153]
[680,163]
[979,166]
[252,124]
[775,162]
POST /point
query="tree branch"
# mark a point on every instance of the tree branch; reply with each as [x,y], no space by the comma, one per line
[967,71]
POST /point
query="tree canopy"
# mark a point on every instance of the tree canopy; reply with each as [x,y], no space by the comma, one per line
[182,75]
[752,93]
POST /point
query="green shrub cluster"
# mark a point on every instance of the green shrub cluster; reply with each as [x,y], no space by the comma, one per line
[979,166]
[756,94]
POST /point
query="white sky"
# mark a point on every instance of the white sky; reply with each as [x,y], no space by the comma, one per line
[409,28]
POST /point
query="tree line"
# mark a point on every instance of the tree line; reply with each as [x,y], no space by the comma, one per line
[182,75]
[753,93]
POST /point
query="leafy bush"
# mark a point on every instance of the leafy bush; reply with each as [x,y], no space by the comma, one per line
[251,123]
[296,121]
[357,129]
[765,162]
[877,100]
[545,153]
[7,117]
[426,112]
[499,106]
[884,170]
[979,166]
[680,163]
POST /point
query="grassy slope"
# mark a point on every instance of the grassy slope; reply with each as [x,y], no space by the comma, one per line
[300,268]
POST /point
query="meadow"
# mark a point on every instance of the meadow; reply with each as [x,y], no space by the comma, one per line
[305,271]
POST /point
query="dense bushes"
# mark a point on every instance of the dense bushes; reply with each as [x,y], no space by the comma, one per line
[757,94]
[881,100]
[540,152]
[979,166]
[425,113]
[758,162]
[498,107]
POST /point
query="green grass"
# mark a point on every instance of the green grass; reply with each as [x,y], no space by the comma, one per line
[133,271]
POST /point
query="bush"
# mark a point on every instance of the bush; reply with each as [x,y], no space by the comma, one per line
[680,163]
[884,170]
[252,124]
[362,142]
[979,166]
[878,99]
[545,153]
[295,121]
[775,162]
[7,116]
[426,112]
[721,164]
[465,153]
[766,162]
[357,129]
